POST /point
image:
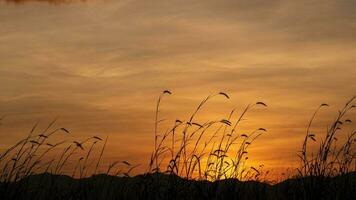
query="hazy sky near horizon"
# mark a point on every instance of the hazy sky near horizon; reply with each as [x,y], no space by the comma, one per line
[100,66]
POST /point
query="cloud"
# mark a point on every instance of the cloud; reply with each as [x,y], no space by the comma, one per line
[44,1]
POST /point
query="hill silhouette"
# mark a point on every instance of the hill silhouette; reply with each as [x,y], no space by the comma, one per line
[162,186]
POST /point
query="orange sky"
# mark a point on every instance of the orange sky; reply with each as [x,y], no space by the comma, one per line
[101,65]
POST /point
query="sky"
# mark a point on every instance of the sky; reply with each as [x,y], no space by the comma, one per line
[99,66]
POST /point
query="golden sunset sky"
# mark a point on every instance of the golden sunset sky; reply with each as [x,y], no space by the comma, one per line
[101,65]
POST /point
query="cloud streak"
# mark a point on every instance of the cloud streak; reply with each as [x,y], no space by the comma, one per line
[56,2]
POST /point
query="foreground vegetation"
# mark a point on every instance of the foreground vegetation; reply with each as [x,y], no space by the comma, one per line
[47,186]
[190,160]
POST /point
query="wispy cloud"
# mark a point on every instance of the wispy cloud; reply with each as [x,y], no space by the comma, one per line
[44,1]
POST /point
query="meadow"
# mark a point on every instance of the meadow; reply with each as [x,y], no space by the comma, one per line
[189,160]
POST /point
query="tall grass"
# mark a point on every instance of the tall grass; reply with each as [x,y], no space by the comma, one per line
[204,159]
[325,172]
[212,150]
[37,153]
[334,156]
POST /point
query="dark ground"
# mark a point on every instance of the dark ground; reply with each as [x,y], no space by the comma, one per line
[159,186]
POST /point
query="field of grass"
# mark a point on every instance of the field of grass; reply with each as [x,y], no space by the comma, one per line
[189,161]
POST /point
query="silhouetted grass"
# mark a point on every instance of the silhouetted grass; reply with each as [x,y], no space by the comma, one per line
[333,157]
[213,150]
[190,160]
